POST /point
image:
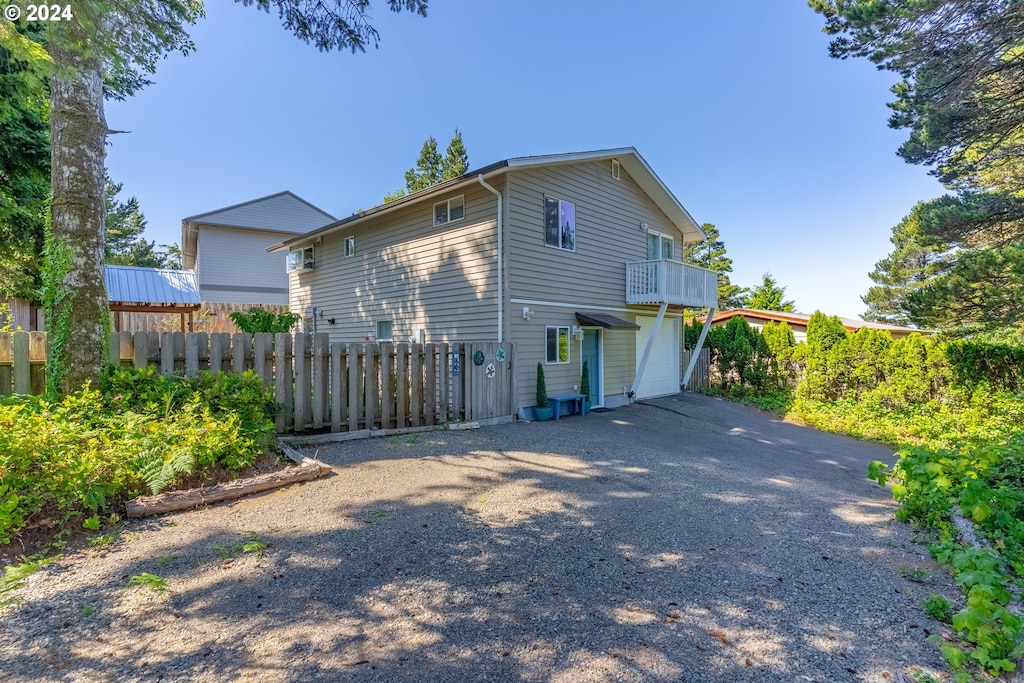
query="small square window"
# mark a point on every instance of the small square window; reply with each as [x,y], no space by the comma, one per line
[448,211]
[350,246]
[385,330]
[559,224]
[557,344]
[300,260]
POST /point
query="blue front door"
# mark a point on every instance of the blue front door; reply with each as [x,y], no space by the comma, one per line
[591,354]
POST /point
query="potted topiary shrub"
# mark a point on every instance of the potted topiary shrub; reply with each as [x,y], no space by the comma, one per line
[585,388]
[543,410]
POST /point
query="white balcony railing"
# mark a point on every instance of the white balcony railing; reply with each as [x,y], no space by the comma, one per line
[670,282]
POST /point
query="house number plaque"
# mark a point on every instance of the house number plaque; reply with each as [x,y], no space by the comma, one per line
[478,358]
[489,371]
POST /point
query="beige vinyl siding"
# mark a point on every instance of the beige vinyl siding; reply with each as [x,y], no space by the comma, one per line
[233,259]
[609,213]
[439,279]
[618,354]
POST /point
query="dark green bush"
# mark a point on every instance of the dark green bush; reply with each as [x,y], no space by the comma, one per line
[258,320]
[91,450]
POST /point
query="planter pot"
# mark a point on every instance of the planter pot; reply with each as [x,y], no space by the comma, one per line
[586,407]
[543,414]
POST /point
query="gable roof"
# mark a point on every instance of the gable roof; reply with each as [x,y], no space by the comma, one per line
[629,159]
[802,319]
[151,286]
[281,212]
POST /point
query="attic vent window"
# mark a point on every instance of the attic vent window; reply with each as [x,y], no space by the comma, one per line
[452,210]
[350,246]
[615,169]
[300,260]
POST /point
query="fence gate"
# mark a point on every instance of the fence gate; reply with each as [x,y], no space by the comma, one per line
[489,382]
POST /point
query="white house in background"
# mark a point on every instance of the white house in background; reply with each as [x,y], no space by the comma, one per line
[227,249]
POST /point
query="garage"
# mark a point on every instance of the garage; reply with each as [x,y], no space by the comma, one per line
[662,374]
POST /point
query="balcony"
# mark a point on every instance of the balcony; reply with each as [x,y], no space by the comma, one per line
[671,282]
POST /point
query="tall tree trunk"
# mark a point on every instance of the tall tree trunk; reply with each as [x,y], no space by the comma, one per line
[79,322]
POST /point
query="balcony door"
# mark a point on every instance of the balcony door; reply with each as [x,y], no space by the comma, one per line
[660,246]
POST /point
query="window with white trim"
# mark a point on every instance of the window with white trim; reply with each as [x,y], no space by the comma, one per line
[451,210]
[556,343]
[300,260]
[660,246]
[385,330]
[559,224]
[350,246]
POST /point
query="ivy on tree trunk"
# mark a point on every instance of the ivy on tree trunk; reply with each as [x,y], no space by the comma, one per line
[78,317]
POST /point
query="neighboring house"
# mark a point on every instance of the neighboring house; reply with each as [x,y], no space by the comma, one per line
[227,249]
[798,322]
[571,256]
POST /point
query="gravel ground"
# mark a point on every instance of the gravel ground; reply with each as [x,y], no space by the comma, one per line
[688,539]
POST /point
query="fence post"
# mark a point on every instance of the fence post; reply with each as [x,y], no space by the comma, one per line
[444,376]
[386,389]
[321,342]
[283,380]
[430,389]
[416,399]
[302,395]
[167,354]
[337,394]
[402,370]
[353,387]
[241,344]
[370,385]
[22,367]
[263,344]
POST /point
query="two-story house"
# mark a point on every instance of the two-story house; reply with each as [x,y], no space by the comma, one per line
[571,256]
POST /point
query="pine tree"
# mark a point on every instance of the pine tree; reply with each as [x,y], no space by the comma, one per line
[108,49]
[769,296]
[431,168]
[710,254]
[456,158]
[914,261]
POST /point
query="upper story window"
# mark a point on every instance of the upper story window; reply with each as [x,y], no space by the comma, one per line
[350,246]
[559,224]
[453,209]
[300,260]
[660,246]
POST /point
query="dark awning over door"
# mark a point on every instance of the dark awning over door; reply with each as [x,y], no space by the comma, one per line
[609,322]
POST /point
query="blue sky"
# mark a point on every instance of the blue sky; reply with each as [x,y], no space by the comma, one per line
[735,104]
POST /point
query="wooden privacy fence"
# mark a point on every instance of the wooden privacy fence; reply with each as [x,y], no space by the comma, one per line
[701,377]
[22,363]
[321,385]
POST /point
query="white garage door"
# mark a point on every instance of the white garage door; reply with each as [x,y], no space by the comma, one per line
[662,373]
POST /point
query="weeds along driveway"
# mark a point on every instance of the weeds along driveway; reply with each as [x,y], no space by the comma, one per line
[687,539]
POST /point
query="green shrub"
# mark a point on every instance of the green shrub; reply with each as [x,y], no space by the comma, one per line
[542,388]
[91,450]
[261,320]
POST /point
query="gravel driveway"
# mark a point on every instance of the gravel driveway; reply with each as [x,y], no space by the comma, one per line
[688,539]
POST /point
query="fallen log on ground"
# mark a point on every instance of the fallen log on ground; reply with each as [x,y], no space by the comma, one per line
[172,501]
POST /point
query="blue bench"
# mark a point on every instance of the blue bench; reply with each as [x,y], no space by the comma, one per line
[566,404]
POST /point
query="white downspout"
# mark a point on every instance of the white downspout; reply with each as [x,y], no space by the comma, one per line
[647,350]
[699,347]
[501,291]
